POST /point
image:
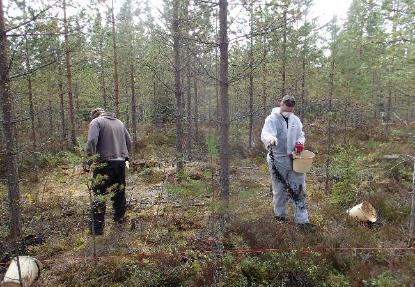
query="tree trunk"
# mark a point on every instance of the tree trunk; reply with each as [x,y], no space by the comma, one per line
[345,112]
[251,79]
[412,220]
[178,86]
[73,142]
[76,98]
[62,105]
[196,109]
[303,99]
[133,107]
[264,81]
[9,134]
[31,114]
[126,113]
[329,121]
[224,104]
[303,73]
[217,83]
[102,73]
[284,52]
[115,55]
[189,112]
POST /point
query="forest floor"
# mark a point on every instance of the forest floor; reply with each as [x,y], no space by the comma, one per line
[171,235]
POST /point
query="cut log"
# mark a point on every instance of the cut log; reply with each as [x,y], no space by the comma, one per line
[29,272]
[391,156]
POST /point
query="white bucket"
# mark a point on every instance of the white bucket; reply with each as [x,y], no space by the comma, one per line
[302,162]
[29,270]
[363,212]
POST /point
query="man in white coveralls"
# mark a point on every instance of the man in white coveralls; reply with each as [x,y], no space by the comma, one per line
[283,135]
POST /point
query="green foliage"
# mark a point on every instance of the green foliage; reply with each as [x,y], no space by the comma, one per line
[280,269]
[212,143]
[385,279]
[151,175]
[347,171]
[400,171]
[50,160]
[188,187]
[337,280]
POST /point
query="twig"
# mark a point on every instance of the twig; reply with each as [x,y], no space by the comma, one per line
[412,220]
[91,201]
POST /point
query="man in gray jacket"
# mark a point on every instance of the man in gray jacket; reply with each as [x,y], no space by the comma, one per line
[110,142]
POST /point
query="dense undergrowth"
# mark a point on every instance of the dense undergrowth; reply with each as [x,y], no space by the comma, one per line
[172,236]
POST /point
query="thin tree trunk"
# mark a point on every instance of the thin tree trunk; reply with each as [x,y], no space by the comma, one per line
[62,104]
[76,98]
[329,121]
[251,79]
[388,110]
[115,55]
[73,141]
[284,52]
[133,107]
[217,82]
[264,77]
[395,6]
[224,104]
[196,109]
[9,134]
[345,136]
[189,112]
[303,99]
[102,73]
[178,87]
[412,220]
[31,114]
[50,116]
[127,116]
[303,71]
[209,110]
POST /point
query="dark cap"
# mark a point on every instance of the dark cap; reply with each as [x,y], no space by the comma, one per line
[289,101]
[96,113]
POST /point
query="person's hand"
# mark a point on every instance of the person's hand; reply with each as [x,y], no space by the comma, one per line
[299,147]
[271,141]
[127,164]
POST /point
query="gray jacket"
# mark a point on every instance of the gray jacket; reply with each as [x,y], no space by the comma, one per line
[108,138]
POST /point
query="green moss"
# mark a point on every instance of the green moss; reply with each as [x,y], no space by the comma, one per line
[385,279]
[152,176]
[337,280]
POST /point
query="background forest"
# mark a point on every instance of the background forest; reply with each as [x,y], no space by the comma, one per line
[193,82]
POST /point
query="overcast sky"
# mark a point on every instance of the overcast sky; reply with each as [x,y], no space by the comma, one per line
[326,9]
[323,9]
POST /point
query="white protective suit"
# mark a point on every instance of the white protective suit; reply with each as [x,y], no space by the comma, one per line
[275,127]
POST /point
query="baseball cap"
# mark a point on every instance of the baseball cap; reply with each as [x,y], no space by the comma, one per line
[289,100]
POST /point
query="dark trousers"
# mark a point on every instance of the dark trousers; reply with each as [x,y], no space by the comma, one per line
[109,181]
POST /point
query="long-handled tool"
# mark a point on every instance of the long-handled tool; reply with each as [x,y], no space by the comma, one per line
[295,196]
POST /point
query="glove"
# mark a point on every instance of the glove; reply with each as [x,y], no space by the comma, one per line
[299,147]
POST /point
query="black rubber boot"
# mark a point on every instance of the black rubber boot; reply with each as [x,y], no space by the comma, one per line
[281,219]
[308,227]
